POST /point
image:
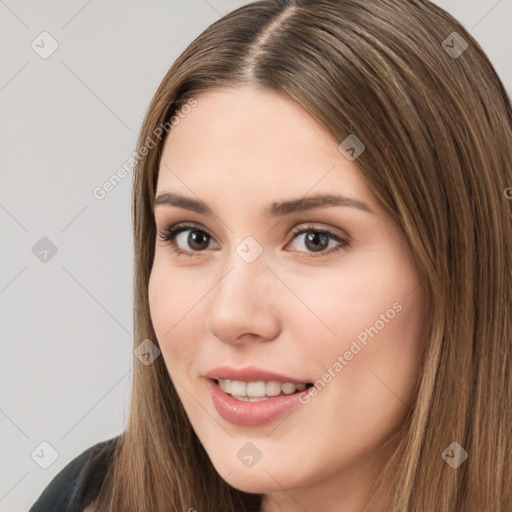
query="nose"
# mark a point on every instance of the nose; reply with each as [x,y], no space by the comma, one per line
[244,303]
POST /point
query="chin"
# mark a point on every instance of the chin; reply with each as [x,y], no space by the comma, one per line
[255,484]
[264,477]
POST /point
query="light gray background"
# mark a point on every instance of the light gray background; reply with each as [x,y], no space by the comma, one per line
[68,123]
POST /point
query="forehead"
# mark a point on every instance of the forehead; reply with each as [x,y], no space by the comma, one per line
[248,117]
[253,142]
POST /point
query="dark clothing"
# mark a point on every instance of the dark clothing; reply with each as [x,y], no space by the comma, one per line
[77,484]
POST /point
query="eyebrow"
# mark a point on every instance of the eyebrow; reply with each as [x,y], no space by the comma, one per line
[276,209]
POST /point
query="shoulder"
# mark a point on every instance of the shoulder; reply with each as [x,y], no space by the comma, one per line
[79,482]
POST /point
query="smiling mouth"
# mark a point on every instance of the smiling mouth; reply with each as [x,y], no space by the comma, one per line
[259,391]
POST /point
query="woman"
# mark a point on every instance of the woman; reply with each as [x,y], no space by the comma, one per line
[323,234]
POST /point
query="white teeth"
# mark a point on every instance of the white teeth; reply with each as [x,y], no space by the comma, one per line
[273,388]
[288,388]
[222,384]
[238,388]
[254,391]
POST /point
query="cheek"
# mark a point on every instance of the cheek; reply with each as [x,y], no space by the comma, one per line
[167,297]
[158,298]
[177,339]
[381,353]
[372,315]
[170,308]
[343,304]
[162,306]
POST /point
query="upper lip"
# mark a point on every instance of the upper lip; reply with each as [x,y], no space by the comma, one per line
[250,374]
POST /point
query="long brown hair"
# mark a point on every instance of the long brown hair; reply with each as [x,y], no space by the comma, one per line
[437,125]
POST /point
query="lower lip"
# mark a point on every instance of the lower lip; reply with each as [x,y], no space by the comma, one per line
[251,414]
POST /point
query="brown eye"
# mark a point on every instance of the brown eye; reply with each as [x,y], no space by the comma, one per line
[317,241]
[196,241]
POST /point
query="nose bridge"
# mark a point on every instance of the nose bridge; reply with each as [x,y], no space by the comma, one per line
[241,298]
[246,270]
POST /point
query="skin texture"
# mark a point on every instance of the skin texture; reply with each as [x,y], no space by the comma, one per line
[291,311]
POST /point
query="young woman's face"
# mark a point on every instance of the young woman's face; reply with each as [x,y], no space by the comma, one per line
[327,295]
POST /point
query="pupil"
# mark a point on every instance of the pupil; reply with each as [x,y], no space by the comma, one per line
[315,237]
[193,242]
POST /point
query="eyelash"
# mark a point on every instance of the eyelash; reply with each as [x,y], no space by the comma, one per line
[170,233]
